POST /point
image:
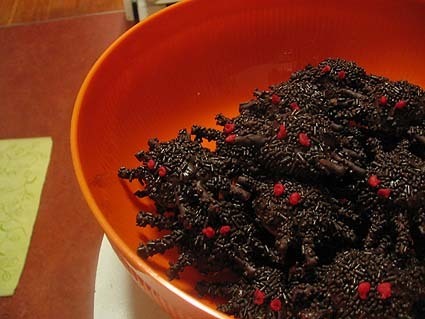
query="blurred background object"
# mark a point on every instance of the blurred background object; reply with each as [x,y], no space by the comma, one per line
[136,10]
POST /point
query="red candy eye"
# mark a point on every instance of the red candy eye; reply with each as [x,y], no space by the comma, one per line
[162,171]
[352,123]
[276,305]
[259,297]
[278,189]
[384,290]
[373,181]
[383,100]
[208,232]
[326,69]
[282,132]
[224,230]
[151,164]
[363,289]
[400,104]
[304,139]
[276,99]
[229,128]
[341,75]
[294,198]
[294,106]
[230,139]
[384,192]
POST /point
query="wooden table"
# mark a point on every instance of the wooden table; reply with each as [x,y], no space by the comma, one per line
[41,69]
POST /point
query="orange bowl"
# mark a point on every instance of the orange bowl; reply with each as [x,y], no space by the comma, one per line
[198,58]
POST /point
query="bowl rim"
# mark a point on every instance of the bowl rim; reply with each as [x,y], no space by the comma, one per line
[135,261]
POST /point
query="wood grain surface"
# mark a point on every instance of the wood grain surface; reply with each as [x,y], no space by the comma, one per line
[25,11]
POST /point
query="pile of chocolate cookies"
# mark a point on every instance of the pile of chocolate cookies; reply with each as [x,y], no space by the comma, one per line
[313,199]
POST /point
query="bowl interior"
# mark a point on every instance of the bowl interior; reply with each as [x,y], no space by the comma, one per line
[199,58]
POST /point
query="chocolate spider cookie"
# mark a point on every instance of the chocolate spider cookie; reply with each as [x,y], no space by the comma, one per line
[369,284]
[332,73]
[392,196]
[301,218]
[165,165]
[307,146]
[262,296]
[393,107]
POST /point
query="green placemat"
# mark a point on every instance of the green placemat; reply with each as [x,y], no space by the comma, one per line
[23,167]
